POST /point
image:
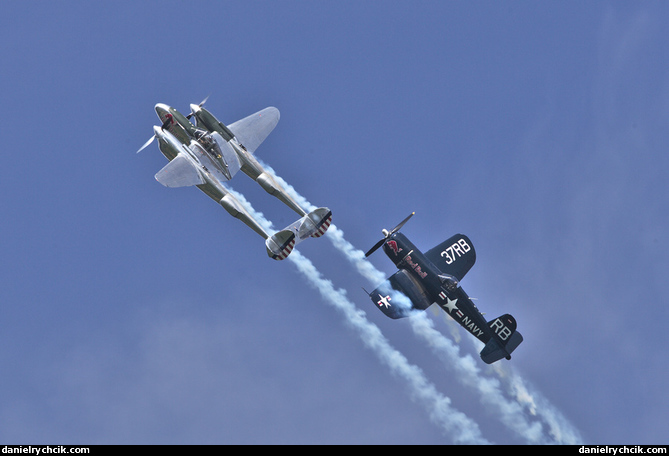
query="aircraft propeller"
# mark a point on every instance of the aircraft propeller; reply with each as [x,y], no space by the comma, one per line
[199,106]
[387,234]
[162,127]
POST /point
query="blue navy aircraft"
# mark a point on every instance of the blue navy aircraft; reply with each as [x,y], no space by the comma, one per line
[434,276]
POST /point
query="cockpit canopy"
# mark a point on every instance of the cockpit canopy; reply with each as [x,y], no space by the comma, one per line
[449,281]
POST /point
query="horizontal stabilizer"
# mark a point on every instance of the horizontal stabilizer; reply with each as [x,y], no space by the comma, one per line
[280,244]
[504,340]
[311,224]
[180,172]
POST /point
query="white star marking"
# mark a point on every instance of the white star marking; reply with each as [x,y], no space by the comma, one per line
[450,305]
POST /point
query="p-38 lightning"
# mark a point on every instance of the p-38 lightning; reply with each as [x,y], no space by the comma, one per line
[434,276]
[210,153]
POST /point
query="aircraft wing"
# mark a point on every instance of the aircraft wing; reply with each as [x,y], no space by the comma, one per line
[180,172]
[396,305]
[251,131]
[454,256]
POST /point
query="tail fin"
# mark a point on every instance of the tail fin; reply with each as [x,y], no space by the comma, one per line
[280,244]
[504,340]
[316,223]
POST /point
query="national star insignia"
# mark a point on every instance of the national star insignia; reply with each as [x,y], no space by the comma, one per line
[450,305]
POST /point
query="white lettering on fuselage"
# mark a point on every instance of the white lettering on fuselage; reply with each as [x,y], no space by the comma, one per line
[455,251]
[471,327]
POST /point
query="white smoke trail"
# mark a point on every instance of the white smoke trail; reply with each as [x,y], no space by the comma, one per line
[519,414]
[510,413]
[559,428]
[456,424]
[460,427]
[514,412]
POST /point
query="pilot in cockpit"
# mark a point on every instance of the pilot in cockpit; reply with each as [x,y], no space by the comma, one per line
[208,143]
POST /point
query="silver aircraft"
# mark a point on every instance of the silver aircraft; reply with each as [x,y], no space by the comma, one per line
[209,154]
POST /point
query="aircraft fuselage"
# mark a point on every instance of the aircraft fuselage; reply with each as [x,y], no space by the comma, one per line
[436,287]
[249,164]
[185,132]
[170,147]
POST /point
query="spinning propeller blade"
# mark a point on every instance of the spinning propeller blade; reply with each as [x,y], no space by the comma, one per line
[401,224]
[146,144]
[375,248]
[199,105]
[387,234]
[162,127]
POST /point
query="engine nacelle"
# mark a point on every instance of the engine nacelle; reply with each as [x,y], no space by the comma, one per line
[268,183]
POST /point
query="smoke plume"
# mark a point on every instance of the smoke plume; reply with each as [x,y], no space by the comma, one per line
[453,422]
[523,409]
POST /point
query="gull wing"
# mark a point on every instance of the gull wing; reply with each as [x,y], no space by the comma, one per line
[251,131]
[455,256]
[180,172]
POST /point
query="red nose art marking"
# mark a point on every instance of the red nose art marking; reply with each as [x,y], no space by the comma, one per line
[393,246]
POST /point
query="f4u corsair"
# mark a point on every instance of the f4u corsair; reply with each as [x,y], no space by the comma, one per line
[434,276]
[209,154]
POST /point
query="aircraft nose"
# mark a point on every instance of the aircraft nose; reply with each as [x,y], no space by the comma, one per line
[162,110]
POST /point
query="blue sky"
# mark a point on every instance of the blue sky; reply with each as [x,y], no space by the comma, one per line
[134,313]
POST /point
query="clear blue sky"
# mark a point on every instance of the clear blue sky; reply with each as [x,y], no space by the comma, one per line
[134,313]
